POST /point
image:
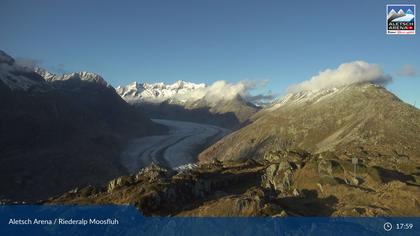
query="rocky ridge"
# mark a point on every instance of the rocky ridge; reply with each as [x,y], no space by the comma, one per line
[285,182]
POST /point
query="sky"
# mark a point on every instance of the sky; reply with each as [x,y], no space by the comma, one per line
[281,42]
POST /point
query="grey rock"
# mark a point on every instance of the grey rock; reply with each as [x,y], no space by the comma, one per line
[152,173]
[119,182]
[278,177]
[325,167]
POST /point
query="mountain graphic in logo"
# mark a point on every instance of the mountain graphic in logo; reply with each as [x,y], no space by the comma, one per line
[409,11]
[400,16]
[401,19]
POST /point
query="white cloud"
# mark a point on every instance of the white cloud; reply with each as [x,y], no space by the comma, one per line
[222,90]
[346,74]
[408,70]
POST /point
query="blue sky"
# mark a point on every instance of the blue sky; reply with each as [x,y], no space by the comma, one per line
[204,41]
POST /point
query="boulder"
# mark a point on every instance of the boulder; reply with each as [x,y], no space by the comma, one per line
[119,182]
[152,173]
[278,177]
[325,167]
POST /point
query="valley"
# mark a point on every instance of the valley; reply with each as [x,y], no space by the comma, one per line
[176,149]
[188,149]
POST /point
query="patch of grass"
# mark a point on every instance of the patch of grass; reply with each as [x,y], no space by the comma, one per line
[375,174]
[329,180]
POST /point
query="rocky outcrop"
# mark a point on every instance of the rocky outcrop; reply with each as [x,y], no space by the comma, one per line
[152,173]
[119,182]
[278,177]
[285,183]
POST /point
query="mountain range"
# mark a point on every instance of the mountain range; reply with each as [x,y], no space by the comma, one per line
[345,151]
[348,150]
[188,102]
[59,132]
[400,16]
[349,120]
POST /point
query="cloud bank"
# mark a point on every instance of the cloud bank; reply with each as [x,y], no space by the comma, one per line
[407,70]
[223,91]
[346,74]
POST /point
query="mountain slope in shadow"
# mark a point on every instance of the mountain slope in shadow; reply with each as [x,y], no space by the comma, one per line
[56,135]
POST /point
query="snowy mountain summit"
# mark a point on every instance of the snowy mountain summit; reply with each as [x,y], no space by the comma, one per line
[307,97]
[17,77]
[158,92]
[82,76]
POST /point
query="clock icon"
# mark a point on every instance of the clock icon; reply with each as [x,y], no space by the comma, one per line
[387,226]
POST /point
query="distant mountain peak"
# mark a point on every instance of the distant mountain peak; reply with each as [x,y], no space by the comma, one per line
[17,77]
[156,92]
[86,76]
[82,76]
[5,58]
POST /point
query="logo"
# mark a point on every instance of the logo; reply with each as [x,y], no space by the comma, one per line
[401,19]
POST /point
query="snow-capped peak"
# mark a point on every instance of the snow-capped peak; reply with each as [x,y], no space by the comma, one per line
[156,92]
[83,76]
[86,76]
[392,13]
[314,96]
[401,12]
[18,77]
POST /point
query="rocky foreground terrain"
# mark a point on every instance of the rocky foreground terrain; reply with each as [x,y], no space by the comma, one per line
[283,183]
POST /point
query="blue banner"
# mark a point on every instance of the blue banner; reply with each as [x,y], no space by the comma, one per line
[127,220]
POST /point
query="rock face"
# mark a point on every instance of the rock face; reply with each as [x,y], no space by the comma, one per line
[60,132]
[119,182]
[278,177]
